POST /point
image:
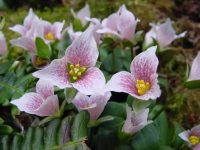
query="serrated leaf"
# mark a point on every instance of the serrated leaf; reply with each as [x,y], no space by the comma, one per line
[43,50]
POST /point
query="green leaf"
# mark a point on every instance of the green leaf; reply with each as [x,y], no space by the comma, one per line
[70,93]
[113,62]
[16,142]
[2,21]
[43,50]
[51,132]
[193,84]
[138,104]
[77,25]
[64,130]
[79,127]
[27,142]
[37,142]
[146,139]
[5,129]
[94,123]
[1,121]
[115,109]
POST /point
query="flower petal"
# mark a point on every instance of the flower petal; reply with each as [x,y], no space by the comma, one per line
[101,101]
[195,69]
[29,102]
[30,18]
[55,73]
[196,130]
[165,33]
[57,28]
[92,82]
[196,147]
[25,43]
[83,13]
[3,46]
[127,23]
[44,88]
[135,121]
[83,102]
[18,28]
[49,107]
[185,135]
[83,50]
[122,82]
[144,67]
[150,35]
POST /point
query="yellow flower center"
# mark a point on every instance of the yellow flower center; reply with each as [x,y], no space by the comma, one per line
[76,71]
[49,36]
[194,140]
[142,87]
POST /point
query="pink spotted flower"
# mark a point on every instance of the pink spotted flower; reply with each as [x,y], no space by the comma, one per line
[121,23]
[142,82]
[163,33]
[192,137]
[34,27]
[94,104]
[77,68]
[135,121]
[43,102]
[195,69]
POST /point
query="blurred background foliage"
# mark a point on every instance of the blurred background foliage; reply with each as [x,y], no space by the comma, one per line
[182,105]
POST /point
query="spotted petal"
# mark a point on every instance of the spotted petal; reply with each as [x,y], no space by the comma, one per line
[101,101]
[94,104]
[83,102]
[56,73]
[122,82]
[29,102]
[195,69]
[83,50]
[44,88]
[49,107]
[92,82]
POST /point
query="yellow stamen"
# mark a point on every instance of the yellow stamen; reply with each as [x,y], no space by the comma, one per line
[76,71]
[74,78]
[49,36]
[142,87]
[194,140]
[79,73]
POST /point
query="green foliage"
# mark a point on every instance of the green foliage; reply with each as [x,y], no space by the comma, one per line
[158,135]
[57,133]
[43,50]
